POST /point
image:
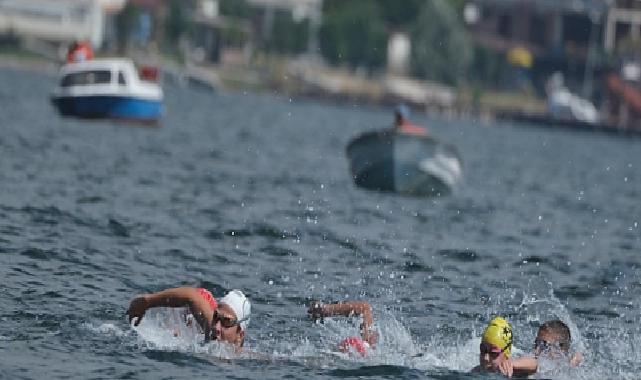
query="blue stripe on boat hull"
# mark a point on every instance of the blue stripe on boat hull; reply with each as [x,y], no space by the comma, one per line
[108,107]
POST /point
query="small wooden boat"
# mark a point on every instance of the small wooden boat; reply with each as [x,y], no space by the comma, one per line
[404,163]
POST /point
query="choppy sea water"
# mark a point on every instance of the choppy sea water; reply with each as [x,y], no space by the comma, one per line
[253,192]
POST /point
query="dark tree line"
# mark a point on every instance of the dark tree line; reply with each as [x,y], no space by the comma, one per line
[353,33]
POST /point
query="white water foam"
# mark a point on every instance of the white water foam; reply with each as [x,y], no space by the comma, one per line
[166,329]
[608,351]
[107,329]
[612,354]
[395,345]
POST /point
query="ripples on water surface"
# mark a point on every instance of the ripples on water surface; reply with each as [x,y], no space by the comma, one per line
[253,192]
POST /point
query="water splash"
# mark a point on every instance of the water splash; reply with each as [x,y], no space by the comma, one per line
[539,310]
[608,351]
[166,329]
[395,344]
[107,329]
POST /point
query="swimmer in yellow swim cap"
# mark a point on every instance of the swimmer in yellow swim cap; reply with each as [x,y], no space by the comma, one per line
[496,348]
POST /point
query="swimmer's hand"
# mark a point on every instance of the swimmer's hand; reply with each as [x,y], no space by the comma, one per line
[316,311]
[576,359]
[137,309]
[506,368]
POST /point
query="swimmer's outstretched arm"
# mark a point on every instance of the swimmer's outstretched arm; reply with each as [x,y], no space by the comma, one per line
[528,365]
[175,297]
[319,310]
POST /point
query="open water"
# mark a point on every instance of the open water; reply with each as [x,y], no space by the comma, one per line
[253,192]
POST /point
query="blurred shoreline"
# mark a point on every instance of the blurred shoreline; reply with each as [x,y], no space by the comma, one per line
[313,80]
[27,63]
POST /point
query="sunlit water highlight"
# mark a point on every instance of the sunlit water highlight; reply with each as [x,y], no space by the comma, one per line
[253,192]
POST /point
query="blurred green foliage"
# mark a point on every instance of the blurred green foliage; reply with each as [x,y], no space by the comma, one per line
[488,67]
[178,24]
[288,36]
[441,49]
[125,24]
[354,33]
[235,8]
[399,14]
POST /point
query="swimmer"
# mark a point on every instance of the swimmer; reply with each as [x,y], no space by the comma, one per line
[368,338]
[225,320]
[496,348]
[552,342]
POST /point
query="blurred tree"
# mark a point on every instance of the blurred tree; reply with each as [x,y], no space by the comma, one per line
[236,11]
[487,67]
[125,23]
[178,23]
[458,6]
[353,32]
[235,8]
[288,36]
[400,14]
[441,49]
[234,35]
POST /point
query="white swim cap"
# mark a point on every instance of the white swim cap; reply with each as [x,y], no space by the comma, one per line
[241,306]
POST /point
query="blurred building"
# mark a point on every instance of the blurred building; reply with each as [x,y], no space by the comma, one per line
[621,103]
[300,10]
[551,30]
[60,21]
[219,39]
[622,24]
[398,53]
[569,36]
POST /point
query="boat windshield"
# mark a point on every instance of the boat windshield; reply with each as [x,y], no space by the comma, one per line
[86,78]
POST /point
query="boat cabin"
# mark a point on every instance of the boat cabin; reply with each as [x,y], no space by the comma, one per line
[103,76]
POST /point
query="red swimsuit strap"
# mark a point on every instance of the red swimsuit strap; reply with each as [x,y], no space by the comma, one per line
[353,342]
[208,297]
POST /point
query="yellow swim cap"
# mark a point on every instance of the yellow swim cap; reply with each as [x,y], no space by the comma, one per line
[499,333]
